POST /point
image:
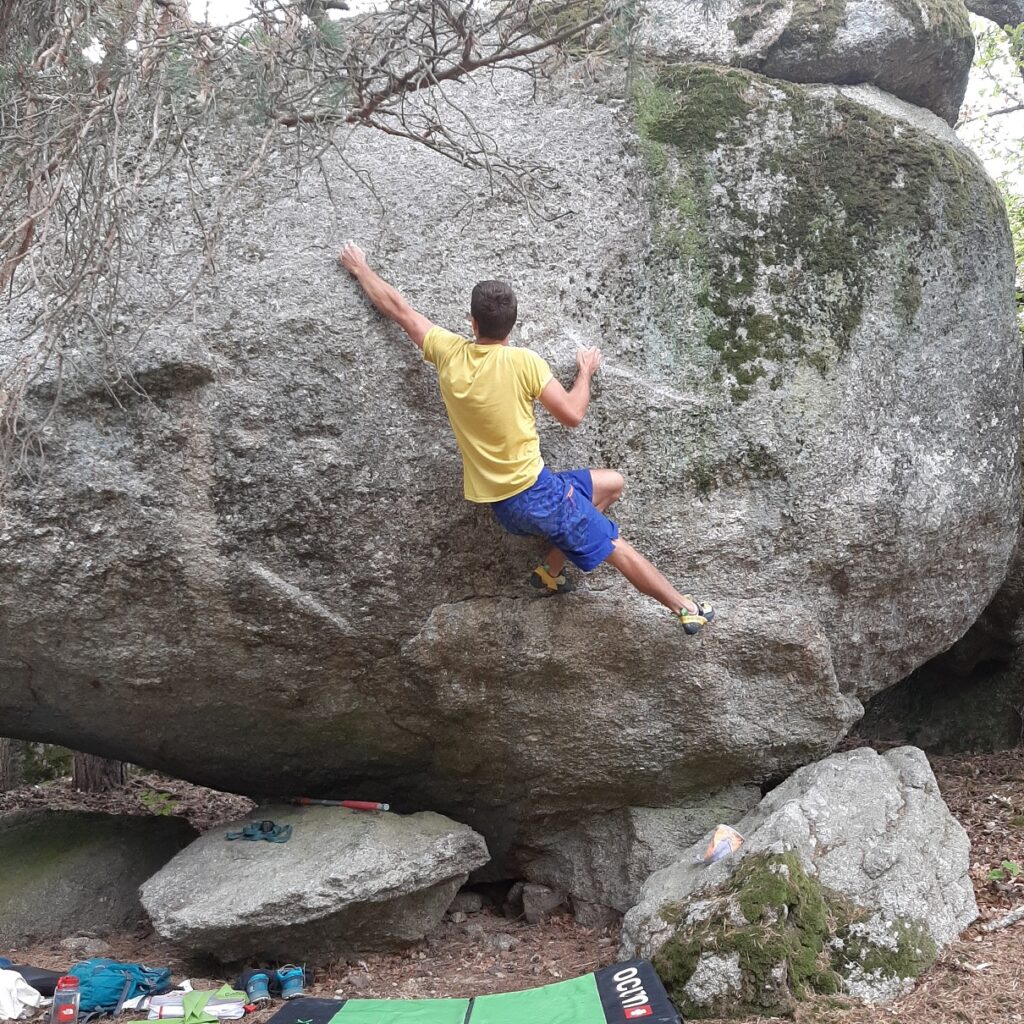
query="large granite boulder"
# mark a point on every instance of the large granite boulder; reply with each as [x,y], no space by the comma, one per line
[863,851]
[346,883]
[918,50]
[65,872]
[812,380]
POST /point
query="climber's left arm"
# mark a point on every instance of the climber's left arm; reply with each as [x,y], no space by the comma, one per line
[387,299]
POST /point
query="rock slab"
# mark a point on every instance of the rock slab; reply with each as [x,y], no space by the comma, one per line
[604,860]
[346,883]
[65,872]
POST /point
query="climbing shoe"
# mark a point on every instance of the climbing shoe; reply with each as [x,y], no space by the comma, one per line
[541,579]
[257,989]
[292,980]
[694,622]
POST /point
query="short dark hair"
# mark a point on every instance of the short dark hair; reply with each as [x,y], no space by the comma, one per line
[495,308]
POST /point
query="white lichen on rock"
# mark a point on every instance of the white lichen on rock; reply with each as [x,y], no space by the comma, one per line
[714,977]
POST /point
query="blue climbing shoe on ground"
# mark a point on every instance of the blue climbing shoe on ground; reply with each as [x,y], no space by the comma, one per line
[257,989]
[292,980]
[541,579]
[692,622]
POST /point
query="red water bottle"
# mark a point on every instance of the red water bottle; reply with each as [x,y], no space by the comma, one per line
[65,1001]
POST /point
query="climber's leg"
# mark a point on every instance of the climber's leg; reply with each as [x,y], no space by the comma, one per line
[646,578]
[693,615]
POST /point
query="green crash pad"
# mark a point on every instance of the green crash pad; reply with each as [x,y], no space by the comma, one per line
[615,995]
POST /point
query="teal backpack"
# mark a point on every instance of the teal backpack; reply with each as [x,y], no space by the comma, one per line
[105,984]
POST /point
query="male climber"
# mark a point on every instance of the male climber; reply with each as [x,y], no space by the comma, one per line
[489,389]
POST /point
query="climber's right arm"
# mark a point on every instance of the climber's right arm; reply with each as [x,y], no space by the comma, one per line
[387,299]
[569,407]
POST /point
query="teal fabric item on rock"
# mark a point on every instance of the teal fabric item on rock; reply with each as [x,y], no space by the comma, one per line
[265,830]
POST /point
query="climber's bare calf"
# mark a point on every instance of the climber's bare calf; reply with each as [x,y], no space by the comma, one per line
[646,578]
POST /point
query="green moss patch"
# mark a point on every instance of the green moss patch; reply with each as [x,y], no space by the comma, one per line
[776,210]
[899,950]
[792,938]
[716,99]
[780,940]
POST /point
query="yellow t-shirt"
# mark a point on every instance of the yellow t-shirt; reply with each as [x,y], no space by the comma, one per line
[489,392]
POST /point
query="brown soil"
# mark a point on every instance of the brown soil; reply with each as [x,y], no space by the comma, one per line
[979,980]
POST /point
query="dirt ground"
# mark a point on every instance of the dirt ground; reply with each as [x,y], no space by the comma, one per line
[979,980]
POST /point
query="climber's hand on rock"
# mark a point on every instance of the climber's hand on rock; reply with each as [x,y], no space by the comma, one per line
[352,258]
[588,360]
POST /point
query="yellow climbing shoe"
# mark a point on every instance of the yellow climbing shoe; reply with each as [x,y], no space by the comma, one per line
[692,622]
[541,579]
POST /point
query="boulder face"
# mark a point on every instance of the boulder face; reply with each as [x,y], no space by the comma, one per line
[346,883]
[918,50]
[605,859]
[263,576]
[64,872]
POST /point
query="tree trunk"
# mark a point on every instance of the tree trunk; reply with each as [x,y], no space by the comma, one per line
[11,757]
[92,774]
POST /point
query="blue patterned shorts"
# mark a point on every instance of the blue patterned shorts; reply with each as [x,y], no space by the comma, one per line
[559,507]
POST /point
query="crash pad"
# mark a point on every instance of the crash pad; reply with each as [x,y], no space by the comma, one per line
[614,995]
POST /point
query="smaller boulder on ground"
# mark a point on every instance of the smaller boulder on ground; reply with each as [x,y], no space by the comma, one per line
[68,872]
[540,902]
[853,875]
[346,883]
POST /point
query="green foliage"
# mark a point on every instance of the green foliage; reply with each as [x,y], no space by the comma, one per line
[1007,869]
[615,22]
[999,64]
[1015,215]
[44,762]
[332,33]
[158,802]
[998,69]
